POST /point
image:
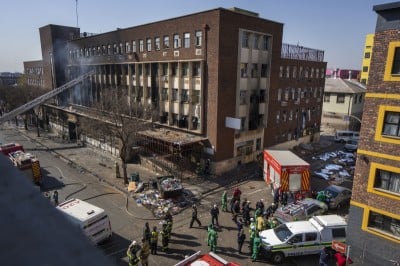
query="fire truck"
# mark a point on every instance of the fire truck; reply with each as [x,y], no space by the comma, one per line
[22,160]
[286,172]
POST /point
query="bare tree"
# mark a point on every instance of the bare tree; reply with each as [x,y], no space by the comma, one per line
[110,117]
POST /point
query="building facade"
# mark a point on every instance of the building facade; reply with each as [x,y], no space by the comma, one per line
[366,62]
[343,104]
[216,74]
[374,216]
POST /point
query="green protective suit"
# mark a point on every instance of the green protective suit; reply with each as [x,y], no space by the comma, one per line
[256,247]
[224,201]
[132,255]
[212,239]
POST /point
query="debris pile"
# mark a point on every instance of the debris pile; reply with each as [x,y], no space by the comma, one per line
[166,195]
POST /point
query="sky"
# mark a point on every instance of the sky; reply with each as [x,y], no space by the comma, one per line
[337,27]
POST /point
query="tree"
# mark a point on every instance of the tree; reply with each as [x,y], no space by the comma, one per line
[110,117]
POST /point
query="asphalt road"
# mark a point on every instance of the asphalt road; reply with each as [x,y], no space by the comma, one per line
[72,182]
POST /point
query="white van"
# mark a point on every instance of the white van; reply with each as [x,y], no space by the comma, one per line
[346,135]
[93,220]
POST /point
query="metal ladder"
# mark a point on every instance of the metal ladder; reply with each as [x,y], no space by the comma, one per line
[41,99]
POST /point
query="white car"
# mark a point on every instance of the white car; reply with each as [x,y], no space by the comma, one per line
[351,145]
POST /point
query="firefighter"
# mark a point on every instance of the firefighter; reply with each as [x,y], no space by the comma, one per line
[252,233]
[144,253]
[256,247]
[154,240]
[165,236]
[260,224]
[169,221]
[132,253]
[224,201]
[212,238]
[214,214]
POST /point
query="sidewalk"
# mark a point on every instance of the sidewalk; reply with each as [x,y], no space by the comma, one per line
[101,165]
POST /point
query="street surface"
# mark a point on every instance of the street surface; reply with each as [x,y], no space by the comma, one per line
[127,218]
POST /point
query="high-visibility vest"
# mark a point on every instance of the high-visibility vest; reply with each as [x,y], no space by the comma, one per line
[154,236]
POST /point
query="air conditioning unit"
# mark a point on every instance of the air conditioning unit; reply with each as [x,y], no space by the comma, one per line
[176,53]
[198,52]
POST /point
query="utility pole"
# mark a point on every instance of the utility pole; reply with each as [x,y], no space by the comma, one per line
[76,10]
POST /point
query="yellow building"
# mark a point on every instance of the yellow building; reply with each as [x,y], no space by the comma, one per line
[369,44]
[374,214]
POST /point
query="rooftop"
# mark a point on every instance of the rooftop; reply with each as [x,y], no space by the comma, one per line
[338,85]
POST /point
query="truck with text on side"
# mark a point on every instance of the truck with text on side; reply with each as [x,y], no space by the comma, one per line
[286,172]
[199,259]
[24,161]
[302,237]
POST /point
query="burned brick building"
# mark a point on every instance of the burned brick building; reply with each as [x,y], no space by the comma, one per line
[223,75]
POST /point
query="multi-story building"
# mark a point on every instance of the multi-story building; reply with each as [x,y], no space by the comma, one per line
[374,217]
[222,74]
[9,79]
[343,104]
[368,47]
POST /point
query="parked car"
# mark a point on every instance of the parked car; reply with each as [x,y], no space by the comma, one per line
[337,196]
[351,145]
[345,135]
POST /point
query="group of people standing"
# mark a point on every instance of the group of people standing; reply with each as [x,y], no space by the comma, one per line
[140,253]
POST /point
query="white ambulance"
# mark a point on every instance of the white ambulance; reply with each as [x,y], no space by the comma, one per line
[93,220]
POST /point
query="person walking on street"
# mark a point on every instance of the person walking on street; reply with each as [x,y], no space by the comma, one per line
[235,211]
[246,214]
[55,197]
[256,247]
[147,232]
[224,201]
[212,239]
[323,257]
[165,235]
[241,238]
[194,217]
[144,253]
[132,254]
[154,240]
[214,215]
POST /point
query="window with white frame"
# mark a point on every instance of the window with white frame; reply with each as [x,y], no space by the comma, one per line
[287,73]
[279,94]
[196,69]
[384,224]
[175,95]
[256,38]
[127,47]
[245,40]
[166,42]
[254,70]
[186,40]
[265,42]
[264,70]
[177,41]
[391,124]
[286,96]
[120,48]
[157,44]
[109,49]
[243,70]
[281,71]
[199,35]
[290,115]
[164,94]
[327,97]
[278,117]
[141,46]
[387,180]
[115,48]
[340,98]
[185,69]
[185,95]
[133,46]
[294,72]
[148,47]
